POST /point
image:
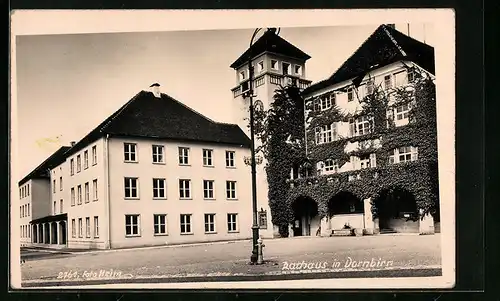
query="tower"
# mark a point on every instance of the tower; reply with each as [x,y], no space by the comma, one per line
[275,62]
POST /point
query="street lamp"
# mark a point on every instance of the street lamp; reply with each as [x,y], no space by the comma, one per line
[255,225]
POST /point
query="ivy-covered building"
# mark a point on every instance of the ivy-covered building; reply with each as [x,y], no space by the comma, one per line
[369,158]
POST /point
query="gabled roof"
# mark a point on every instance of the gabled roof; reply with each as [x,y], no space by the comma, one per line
[42,170]
[384,46]
[164,118]
[270,42]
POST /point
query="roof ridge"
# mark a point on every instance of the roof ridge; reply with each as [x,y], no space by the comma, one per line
[393,40]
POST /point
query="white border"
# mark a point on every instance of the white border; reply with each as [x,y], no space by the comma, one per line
[30,22]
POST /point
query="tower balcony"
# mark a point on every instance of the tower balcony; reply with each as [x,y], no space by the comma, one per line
[271,78]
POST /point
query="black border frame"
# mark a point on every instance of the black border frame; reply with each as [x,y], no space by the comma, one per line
[470,144]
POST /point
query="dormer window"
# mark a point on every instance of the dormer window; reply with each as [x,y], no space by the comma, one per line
[298,70]
[274,64]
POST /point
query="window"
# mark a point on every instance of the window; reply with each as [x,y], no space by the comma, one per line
[360,126]
[184,189]
[274,64]
[404,154]
[243,75]
[96,226]
[132,225]
[54,186]
[183,156]
[364,162]
[72,196]
[286,68]
[131,188]
[55,208]
[86,159]
[232,222]
[411,76]
[388,82]
[80,227]
[78,163]
[263,219]
[160,224]
[317,104]
[209,223]
[158,156]
[159,188]
[72,167]
[60,184]
[350,94]
[130,152]
[94,189]
[28,209]
[230,159]
[186,223]
[231,190]
[402,114]
[208,189]
[79,194]
[94,155]
[87,193]
[87,227]
[298,70]
[61,206]
[207,157]
[370,87]
[28,189]
[73,228]
[331,166]
[260,66]
[326,133]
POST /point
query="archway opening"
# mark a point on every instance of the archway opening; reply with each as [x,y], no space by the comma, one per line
[345,211]
[397,211]
[306,218]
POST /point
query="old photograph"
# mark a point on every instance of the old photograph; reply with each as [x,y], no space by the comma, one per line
[318,155]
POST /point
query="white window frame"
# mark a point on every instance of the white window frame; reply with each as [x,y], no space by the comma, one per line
[159,190]
[276,67]
[85,159]
[96,227]
[231,188]
[230,159]
[370,86]
[388,82]
[78,163]
[54,186]
[299,73]
[410,154]
[158,153]
[185,189]
[289,70]
[87,192]
[402,117]
[208,160]
[243,75]
[208,189]
[350,94]
[55,207]
[60,184]
[80,227]
[95,195]
[364,123]
[94,155]
[184,155]
[158,224]
[232,222]
[331,166]
[79,196]
[73,196]
[73,228]
[326,133]
[87,227]
[186,222]
[260,66]
[61,205]
[130,152]
[364,162]
[209,222]
[128,186]
[131,223]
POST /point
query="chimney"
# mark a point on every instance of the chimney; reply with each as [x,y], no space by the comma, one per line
[73,143]
[155,89]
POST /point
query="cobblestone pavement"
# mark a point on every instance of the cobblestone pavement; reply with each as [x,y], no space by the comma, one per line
[283,256]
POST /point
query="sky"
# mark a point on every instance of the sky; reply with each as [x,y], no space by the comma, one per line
[68,83]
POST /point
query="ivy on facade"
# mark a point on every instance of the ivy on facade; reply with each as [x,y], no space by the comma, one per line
[281,131]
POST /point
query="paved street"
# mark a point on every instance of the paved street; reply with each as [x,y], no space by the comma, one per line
[284,256]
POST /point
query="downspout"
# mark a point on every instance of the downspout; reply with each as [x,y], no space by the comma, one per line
[107,193]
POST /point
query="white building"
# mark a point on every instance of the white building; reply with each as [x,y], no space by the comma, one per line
[153,173]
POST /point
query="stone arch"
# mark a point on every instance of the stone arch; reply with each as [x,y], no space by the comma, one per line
[345,210]
[396,210]
[305,216]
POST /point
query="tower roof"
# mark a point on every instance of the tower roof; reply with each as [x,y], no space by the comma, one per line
[270,42]
[384,46]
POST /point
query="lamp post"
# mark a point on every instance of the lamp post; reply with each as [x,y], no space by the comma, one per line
[255,225]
